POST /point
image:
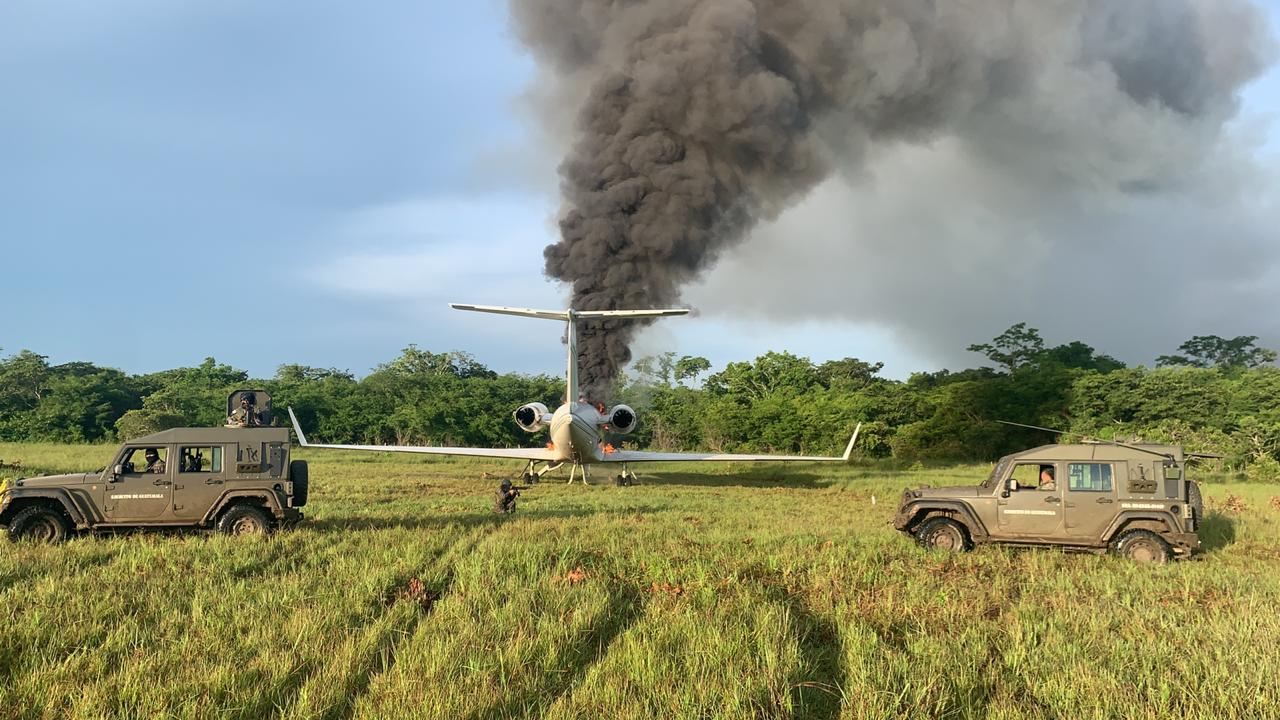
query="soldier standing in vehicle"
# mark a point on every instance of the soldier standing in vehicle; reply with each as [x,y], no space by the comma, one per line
[244,415]
[154,463]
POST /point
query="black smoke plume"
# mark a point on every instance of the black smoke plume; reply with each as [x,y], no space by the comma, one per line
[700,118]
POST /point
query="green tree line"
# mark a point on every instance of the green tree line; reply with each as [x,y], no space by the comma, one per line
[1213,395]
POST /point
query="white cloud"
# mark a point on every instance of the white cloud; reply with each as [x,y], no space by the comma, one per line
[442,249]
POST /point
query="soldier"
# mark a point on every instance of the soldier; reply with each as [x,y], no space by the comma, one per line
[243,416]
[154,463]
[504,501]
[1046,478]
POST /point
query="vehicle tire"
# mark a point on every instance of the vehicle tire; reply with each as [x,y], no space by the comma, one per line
[621,480]
[301,482]
[943,534]
[531,478]
[244,520]
[1143,547]
[39,523]
[1196,501]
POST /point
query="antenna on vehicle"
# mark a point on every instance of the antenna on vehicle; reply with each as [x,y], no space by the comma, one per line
[1139,448]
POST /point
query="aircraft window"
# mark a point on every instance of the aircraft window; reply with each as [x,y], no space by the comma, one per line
[201,459]
[1089,477]
[1030,476]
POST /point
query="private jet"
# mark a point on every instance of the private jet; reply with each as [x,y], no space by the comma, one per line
[577,426]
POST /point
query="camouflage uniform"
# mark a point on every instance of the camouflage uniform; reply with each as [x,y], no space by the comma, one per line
[155,466]
[504,500]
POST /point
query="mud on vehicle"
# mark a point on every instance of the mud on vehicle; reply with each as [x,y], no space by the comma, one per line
[236,479]
[1132,500]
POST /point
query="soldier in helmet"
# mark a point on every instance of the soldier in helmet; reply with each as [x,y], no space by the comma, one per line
[504,501]
[245,415]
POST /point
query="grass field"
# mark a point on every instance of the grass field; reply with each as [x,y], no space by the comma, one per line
[728,591]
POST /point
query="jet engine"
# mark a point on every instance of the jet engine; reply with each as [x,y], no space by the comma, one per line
[531,417]
[621,419]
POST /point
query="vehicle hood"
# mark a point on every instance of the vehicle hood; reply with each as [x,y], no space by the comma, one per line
[954,491]
[55,480]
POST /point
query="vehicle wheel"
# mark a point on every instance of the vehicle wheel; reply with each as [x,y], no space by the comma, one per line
[621,480]
[244,520]
[531,478]
[1143,547]
[943,534]
[301,482]
[39,523]
[1196,501]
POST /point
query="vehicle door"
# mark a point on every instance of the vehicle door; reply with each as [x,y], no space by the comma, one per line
[140,486]
[1030,503]
[1090,502]
[199,482]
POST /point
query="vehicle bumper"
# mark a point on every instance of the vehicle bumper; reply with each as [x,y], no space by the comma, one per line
[292,516]
[902,519]
[1183,543]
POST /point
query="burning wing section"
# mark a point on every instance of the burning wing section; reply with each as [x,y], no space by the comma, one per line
[536,454]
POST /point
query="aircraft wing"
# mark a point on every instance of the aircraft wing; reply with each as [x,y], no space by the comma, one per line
[632,456]
[512,453]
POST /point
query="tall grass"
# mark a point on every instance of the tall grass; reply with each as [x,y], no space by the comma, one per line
[728,591]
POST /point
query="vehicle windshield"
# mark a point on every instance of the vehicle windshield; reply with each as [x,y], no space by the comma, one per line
[996,473]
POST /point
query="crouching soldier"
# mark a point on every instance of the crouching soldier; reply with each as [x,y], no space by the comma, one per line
[504,501]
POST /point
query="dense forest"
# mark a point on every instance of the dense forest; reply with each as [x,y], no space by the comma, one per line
[1214,395]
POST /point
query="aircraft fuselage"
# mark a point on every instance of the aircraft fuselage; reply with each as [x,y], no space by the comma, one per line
[575,433]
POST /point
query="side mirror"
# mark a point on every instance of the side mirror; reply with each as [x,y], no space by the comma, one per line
[117,471]
[1013,485]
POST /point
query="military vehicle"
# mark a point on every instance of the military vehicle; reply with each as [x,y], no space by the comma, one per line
[236,479]
[1095,496]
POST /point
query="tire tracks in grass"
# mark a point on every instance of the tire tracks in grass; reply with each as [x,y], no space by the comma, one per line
[19,583]
[817,691]
[976,699]
[28,572]
[625,607]
[385,641]
[820,695]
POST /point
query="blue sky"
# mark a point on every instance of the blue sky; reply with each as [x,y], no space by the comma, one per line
[307,182]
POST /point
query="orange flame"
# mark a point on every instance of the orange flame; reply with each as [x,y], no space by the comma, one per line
[551,446]
[609,448]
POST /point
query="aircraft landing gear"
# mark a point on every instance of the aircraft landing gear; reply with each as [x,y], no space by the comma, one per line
[574,469]
[626,479]
[533,477]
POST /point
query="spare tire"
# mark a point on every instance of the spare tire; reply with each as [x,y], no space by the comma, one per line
[1195,500]
[298,475]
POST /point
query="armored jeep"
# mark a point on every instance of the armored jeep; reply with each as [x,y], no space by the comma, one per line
[1130,499]
[236,479]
